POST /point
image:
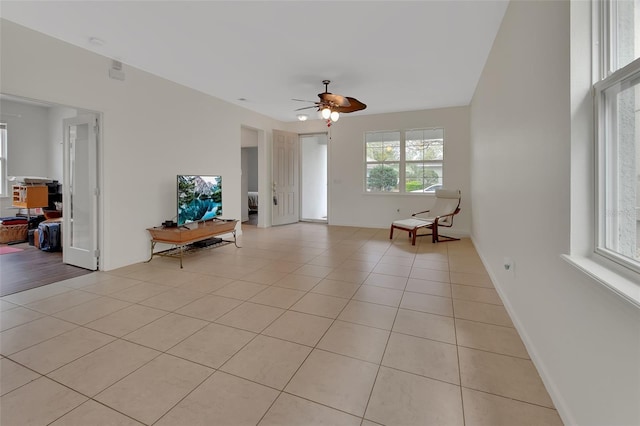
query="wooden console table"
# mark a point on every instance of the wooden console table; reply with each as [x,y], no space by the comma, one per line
[181,236]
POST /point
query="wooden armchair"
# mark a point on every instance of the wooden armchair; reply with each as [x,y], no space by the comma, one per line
[441,214]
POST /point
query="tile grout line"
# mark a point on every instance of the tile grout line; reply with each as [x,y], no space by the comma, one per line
[315,347]
[455,331]
[375,380]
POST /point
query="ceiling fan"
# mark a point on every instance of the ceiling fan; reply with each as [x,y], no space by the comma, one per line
[331,105]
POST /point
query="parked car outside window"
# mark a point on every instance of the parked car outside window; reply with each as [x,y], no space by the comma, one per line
[431,188]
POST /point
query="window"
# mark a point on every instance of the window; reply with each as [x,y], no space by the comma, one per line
[617,100]
[404,160]
[3,160]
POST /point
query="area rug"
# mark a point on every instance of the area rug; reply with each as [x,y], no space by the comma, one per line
[7,250]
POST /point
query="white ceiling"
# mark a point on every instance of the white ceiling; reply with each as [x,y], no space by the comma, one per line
[392,55]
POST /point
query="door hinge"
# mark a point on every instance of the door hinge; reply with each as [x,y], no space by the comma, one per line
[96,127]
[96,253]
[96,192]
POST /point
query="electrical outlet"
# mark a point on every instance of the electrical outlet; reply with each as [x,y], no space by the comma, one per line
[509,264]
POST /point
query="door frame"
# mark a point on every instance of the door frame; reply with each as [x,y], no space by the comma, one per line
[264,176]
[328,136]
[95,172]
[99,153]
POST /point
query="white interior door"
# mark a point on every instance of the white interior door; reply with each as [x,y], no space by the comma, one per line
[80,192]
[285,172]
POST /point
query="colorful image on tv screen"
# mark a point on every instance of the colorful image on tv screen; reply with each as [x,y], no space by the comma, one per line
[199,198]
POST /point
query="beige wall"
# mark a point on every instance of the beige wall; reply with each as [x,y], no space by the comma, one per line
[584,340]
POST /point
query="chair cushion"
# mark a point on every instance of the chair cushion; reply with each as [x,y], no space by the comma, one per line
[410,224]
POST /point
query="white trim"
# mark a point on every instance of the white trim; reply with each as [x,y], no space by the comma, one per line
[562,407]
[608,277]
[598,49]
[619,76]
[4,163]
[605,135]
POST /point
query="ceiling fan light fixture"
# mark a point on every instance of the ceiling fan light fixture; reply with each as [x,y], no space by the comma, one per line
[302,117]
[331,105]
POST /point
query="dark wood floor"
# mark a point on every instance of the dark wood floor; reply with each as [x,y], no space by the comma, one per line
[32,268]
[253,218]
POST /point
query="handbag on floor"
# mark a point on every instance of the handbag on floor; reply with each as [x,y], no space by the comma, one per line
[49,236]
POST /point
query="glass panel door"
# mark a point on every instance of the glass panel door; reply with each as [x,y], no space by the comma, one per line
[79,230]
[314,151]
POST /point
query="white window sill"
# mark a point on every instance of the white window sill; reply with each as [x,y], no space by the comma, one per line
[622,286]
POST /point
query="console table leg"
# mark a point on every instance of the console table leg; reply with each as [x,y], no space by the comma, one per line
[181,253]
[235,241]
[153,244]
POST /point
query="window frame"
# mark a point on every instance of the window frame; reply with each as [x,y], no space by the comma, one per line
[384,162]
[402,161]
[606,78]
[4,190]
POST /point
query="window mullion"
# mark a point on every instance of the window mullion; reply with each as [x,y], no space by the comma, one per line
[610,37]
[403,163]
[4,190]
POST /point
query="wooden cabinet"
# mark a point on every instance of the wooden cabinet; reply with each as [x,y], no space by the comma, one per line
[30,196]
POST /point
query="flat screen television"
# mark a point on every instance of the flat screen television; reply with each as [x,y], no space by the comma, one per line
[199,198]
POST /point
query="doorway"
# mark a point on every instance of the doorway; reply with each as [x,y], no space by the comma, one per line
[314,179]
[249,183]
[35,139]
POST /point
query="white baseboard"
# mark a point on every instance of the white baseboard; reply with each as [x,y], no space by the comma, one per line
[561,406]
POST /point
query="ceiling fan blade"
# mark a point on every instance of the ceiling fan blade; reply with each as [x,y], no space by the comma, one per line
[309,107]
[334,100]
[354,105]
[304,100]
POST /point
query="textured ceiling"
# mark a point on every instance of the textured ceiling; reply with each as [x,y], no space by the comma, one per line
[393,56]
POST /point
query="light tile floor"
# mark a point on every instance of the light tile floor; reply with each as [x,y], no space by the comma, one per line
[306,324]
